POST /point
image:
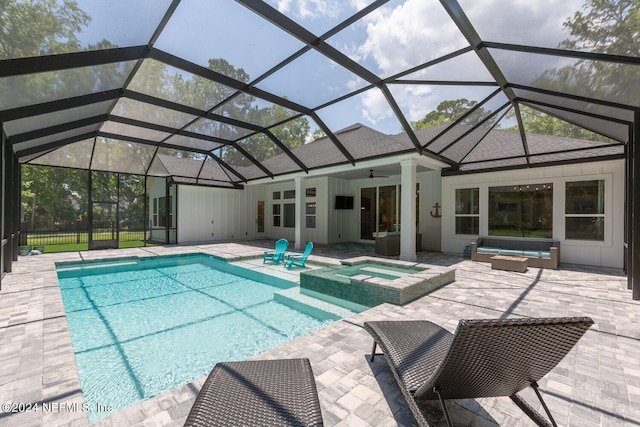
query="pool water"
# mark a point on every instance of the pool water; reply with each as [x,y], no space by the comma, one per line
[140,327]
[383,271]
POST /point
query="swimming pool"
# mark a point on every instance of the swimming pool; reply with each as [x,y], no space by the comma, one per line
[140,327]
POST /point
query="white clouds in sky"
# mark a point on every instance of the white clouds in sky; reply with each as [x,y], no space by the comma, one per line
[398,38]
[415,31]
[406,33]
[310,9]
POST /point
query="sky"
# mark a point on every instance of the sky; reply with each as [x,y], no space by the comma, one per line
[397,36]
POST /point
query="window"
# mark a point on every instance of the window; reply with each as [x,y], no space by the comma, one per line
[276,215]
[584,210]
[289,215]
[155,211]
[311,215]
[289,194]
[311,192]
[521,210]
[276,195]
[467,211]
[160,211]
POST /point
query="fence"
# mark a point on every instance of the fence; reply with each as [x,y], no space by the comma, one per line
[77,232]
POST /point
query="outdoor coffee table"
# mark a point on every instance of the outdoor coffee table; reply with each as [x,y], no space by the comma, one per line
[509,263]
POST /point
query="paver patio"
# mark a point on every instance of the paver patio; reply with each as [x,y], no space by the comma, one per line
[597,384]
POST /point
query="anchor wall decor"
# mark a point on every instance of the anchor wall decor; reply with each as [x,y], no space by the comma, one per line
[437,214]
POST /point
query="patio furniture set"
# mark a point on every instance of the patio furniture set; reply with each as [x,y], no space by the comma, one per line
[289,259]
[513,254]
[482,358]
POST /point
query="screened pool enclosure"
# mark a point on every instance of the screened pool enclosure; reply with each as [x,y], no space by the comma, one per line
[253,90]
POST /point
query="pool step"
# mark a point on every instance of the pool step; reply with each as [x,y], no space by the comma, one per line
[293,298]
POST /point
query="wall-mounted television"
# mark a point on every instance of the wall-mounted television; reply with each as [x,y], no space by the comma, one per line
[344,202]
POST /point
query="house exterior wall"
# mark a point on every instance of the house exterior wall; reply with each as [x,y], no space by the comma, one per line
[342,223]
[206,214]
[607,253]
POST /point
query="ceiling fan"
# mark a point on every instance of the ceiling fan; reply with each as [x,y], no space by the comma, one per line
[371,175]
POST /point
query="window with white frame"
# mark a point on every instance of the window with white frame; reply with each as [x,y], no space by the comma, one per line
[311,214]
[524,210]
[467,212]
[289,219]
[276,215]
[584,210]
[160,211]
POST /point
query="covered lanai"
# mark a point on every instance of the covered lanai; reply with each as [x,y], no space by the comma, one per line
[263,90]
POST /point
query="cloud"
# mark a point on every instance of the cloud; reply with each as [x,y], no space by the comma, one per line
[417,31]
[310,9]
[375,107]
[408,35]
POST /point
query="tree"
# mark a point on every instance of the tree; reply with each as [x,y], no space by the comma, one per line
[535,121]
[605,26]
[224,101]
[39,27]
[292,133]
[53,195]
[317,134]
[451,110]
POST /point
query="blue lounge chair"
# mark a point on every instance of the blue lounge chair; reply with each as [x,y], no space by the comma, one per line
[279,253]
[299,260]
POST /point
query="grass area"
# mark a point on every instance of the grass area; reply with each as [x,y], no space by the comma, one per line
[71,238]
[66,248]
[85,246]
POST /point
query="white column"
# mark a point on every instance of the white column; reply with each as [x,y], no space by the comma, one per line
[300,212]
[408,211]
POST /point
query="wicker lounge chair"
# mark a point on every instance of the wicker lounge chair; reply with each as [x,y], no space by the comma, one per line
[278,254]
[483,358]
[278,392]
[299,259]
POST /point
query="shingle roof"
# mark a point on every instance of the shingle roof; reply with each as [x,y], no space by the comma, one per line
[500,148]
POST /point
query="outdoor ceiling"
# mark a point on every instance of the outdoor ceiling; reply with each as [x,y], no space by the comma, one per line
[239,88]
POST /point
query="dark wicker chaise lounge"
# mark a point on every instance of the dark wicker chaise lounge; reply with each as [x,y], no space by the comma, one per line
[483,358]
[258,393]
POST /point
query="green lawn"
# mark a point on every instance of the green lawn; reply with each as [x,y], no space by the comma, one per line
[85,246]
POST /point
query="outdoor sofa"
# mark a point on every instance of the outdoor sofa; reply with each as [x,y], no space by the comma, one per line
[541,253]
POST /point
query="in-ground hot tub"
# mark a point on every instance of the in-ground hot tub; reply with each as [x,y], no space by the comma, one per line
[370,281]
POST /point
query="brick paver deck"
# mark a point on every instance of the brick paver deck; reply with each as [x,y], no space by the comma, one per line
[597,384]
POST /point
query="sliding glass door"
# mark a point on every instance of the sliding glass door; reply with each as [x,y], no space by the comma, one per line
[368,213]
[380,210]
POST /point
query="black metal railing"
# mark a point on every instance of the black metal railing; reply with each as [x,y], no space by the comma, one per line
[77,232]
